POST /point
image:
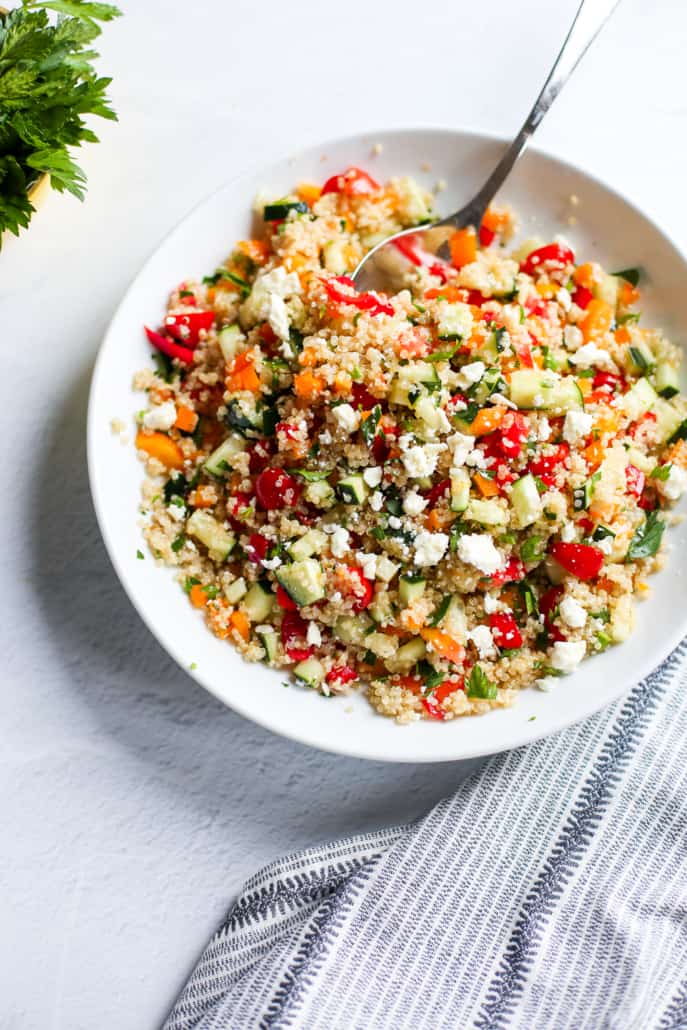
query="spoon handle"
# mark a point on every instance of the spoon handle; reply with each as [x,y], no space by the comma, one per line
[590,18]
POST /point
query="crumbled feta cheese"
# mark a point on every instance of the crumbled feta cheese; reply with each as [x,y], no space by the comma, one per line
[421,461]
[279,282]
[572,613]
[564,299]
[377,500]
[476,459]
[395,522]
[273,309]
[162,416]
[339,541]
[577,426]
[325,438]
[568,532]
[572,337]
[367,563]
[286,350]
[177,511]
[675,485]
[373,476]
[547,683]
[313,635]
[471,373]
[566,655]
[271,563]
[483,640]
[478,549]
[460,445]
[347,417]
[414,503]
[543,429]
[430,548]
[491,604]
[406,441]
[591,356]
[498,398]
[605,545]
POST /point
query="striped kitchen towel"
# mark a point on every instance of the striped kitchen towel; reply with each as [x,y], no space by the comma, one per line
[549,892]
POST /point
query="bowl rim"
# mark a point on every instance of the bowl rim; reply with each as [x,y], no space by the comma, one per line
[530,731]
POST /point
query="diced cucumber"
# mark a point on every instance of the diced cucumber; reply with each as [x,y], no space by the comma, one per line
[606,288]
[455,621]
[526,501]
[411,586]
[582,495]
[303,581]
[222,458]
[524,250]
[231,341]
[640,398]
[381,609]
[312,542]
[352,629]
[386,569]
[219,541]
[250,418]
[236,590]
[336,257]
[668,419]
[320,493]
[460,489]
[281,208]
[257,604]
[410,379]
[410,653]
[310,672]
[638,358]
[487,385]
[667,380]
[429,413]
[488,512]
[352,489]
[268,638]
[383,645]
[545,391]
[454,322]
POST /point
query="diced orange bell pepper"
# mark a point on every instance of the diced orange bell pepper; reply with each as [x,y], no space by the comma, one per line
[594,454]
[240,623]
[449,292]
[257,250]
[597,321]
[586,386]
[487,487]
[463,247]
[628,295]
[160,446]
[186,419]
[438,519]
[197,596]
[486,421]
[243,375]
[444,645]
[586,275]
[494,219]
[307,385]
[309,192]
[677,454]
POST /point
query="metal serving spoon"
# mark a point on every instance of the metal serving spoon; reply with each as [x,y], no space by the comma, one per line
[590,18]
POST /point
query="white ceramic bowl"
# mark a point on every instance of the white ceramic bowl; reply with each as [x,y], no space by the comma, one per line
[608,228]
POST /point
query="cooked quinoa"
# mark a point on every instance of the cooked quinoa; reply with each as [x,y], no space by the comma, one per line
[440,496]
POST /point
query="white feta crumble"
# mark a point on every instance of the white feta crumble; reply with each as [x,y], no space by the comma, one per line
[498,398]
[483,640]
[566,655]
[347,417]
[572,337]
[177,511]
[395,522]
[367,563]
[572,613]
[273,309]
[313,635]
[568,532]
[577,426]
[377,500]
[373,476]
[271,563]
[470,374]
[547,683]
[543,429]
[564,299]
[605,545]
[162,416]
[460,445]
[339,541]
[478,549]
[414,503]
[476,459]
[286,350]
[591,356]
[430,548]
[675,485]
[325,437]
[279,282]
[421,461]
[491,604]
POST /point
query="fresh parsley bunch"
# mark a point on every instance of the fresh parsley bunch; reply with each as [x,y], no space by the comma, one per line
[47,85]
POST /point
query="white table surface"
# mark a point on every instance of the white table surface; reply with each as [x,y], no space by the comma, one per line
[132,805]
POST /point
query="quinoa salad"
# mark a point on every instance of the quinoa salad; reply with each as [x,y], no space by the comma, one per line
[438,495]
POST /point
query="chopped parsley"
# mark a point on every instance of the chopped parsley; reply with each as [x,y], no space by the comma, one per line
[479,685]
[647,538]
[139,555]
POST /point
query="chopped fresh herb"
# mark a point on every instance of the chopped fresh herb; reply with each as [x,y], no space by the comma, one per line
[647,538]
[456,531]
[541,485]
[191,581]
[547,670]
[139,555]
[661,472]
[629,318]
[630,275]
[440,610]
[529,598]
[533,549]
[163,366]
[393,502]
[430,676]
[479,685]
[603,640]
[419,307]
[178,543]
[356,374]
[550,516]
[212,280]
[369,426]
[532,718]
[370,658]
[243,286]
[378,532]
[603,616]
[186,293]
[211,591]
[311,476]
[469,413]
[443,355]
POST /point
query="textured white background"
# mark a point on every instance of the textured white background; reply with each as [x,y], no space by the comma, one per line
[132,806]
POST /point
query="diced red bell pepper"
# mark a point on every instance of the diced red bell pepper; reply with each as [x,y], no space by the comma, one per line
[635,480]
[362,398]
[512,572]
[168,347]
[369,302]
[545,465]
[341,674]
[285,602]
[448,687]
[581,560]
[553,256]
[548,602]
[648,416]
[352,183]
[438,491]
[275,488]
[432,708]
[536,306]
[607,381]
[294,630]
[582,296]
[476,299]
[257,549]
[524,353]
[412,249]
[486,236]
[238,502]
[512,435]
[290,431]
[186,328]
[364,592]
[259,456]
[505,630]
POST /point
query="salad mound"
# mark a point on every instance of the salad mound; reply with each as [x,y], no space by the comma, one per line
[444,494]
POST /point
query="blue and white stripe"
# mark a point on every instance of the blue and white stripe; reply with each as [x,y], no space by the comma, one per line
[549,892]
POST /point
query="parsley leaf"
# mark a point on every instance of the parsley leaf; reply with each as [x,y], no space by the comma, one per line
[478,684]
[647,538]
